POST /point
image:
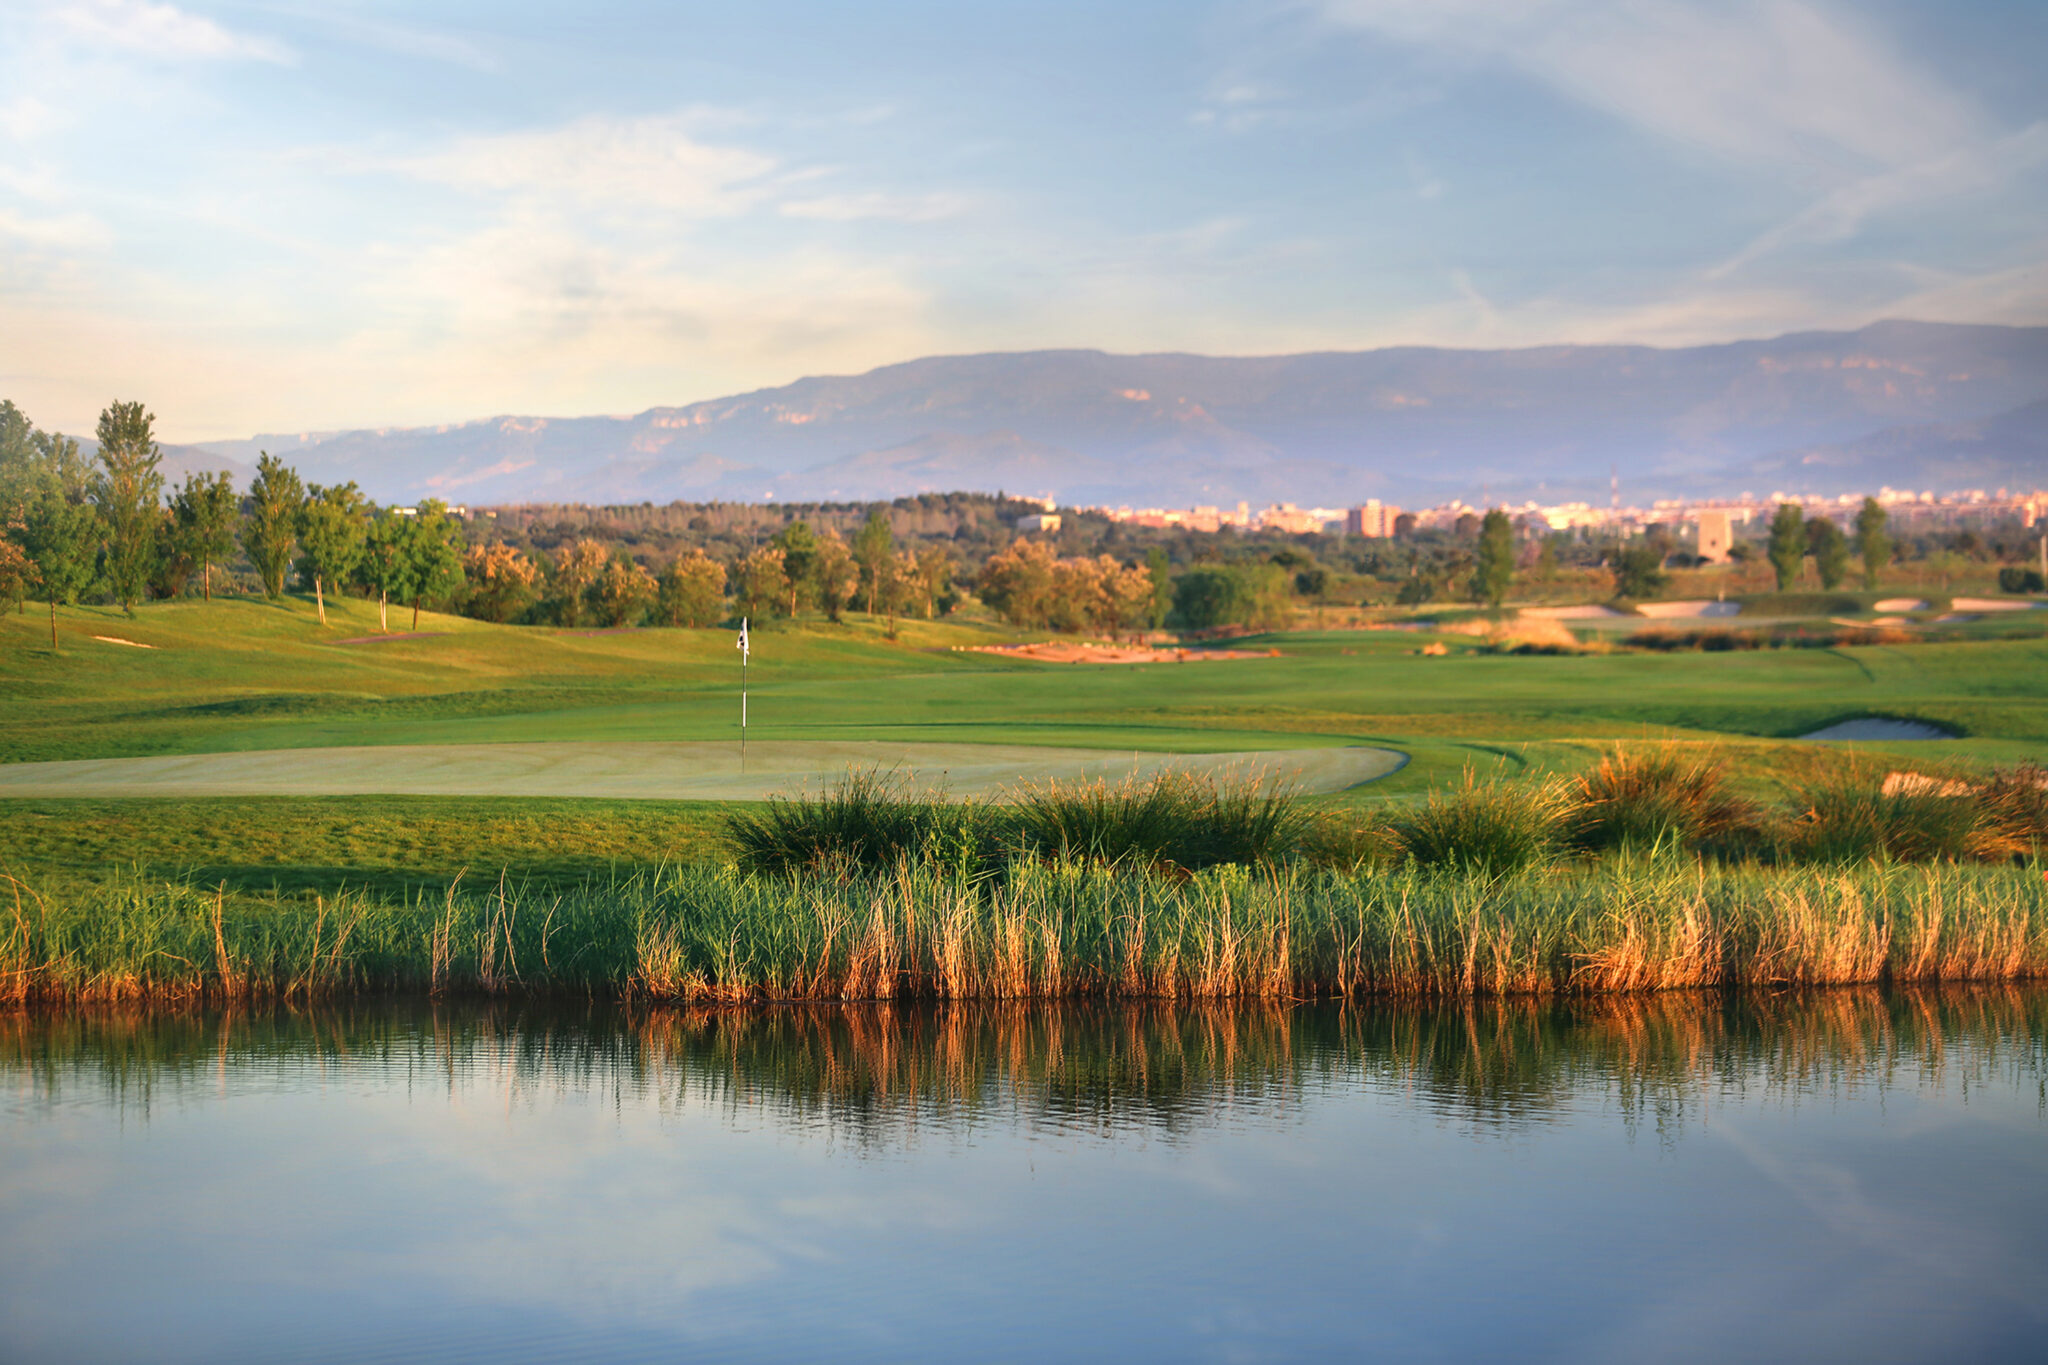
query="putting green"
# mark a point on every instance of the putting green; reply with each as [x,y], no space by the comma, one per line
[656,771]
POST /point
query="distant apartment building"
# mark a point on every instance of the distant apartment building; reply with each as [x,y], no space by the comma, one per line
[1374,519]
[1047,522]
[1717,535]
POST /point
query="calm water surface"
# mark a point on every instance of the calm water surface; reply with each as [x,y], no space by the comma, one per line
[1850,1176]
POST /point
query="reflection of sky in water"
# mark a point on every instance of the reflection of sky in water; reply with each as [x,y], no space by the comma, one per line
[1862,1178]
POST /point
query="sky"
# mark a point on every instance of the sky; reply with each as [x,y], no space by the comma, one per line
[276,217]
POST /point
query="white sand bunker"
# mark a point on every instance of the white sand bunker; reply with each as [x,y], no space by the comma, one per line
[1879,728]
[1585,613]
[1989,604]
[117,640]
[1902,604]
[671,772]
[1668,610]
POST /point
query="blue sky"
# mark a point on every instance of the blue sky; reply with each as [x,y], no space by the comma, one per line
[276,216]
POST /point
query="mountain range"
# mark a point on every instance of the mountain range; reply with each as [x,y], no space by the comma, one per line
[1910,404]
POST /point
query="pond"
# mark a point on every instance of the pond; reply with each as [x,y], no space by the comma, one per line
[1845,1175]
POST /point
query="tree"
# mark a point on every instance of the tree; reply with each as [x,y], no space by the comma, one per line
[271,533]
[386,566]
[1873,541]
[128,491]
[1638,571]
[59,537]
[1161,574]
[34,462]
[17,572]
[1830,549]
[872,550]
[501,581]
[1495,573]
[762,582]
[623,593]
[692,591]
[799,555]
[934,575]
[204,511]
[333,523]
[899,582]
[433,546]
[834,572]
[1017,582]
[1788,543]
[577,570]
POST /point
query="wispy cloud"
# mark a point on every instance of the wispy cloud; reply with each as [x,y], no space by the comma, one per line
[898,208]
[164,31]
[1783,82]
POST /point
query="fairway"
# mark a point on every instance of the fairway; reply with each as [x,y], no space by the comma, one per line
[656,771]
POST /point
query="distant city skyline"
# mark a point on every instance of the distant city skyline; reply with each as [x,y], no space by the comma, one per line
[272,216]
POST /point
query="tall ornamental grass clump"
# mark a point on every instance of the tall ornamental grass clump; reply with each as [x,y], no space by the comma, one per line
[1480,827]
[1663,799]
[1185,819]
[869,820]
[1851,814]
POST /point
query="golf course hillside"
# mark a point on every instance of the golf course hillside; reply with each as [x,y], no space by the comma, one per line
[466,707]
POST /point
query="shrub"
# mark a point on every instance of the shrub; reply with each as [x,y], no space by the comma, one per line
[1480,827]
[1663,798]
[2013,578]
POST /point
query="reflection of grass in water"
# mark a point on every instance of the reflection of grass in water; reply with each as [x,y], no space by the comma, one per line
[1044,930]
[874,1071]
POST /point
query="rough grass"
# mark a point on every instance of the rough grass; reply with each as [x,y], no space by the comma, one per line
[1657,798]
[1481,827]
[1045,930]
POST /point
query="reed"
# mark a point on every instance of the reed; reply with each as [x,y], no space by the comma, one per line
[1659,798]
[1049,929]
[1481,827]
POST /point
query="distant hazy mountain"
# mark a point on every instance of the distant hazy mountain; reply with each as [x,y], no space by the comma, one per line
[1410,424]
[2006,451]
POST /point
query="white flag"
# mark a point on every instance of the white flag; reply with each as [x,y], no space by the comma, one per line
[745,653]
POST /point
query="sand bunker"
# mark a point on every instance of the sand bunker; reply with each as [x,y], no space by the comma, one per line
[1667,610]
[1086,652]
[1879,728]
[1902,604]
[1584,613]
[1989,604]
[672,772]
[117,640]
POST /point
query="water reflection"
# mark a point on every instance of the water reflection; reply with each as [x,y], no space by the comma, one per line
[874,1073]
[1852,1175]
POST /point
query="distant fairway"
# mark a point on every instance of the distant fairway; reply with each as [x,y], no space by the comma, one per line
[672,771]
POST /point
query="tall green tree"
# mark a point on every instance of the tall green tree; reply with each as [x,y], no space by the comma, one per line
[799,557]
[1639,571]
[1495,571]
[1160,571]
[693,590]
[270,534]
[61,538]
[33,461]
[204,513]
[333,524]
[434,547]
[128,490]
[1873,541]
[386,566]
[874,550]
[1830,550]
[1788,543]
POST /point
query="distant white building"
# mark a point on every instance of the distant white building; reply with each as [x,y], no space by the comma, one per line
[1717,536]
[1037,522]
[1373,519]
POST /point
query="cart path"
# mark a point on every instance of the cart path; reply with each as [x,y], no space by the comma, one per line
[659,771]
